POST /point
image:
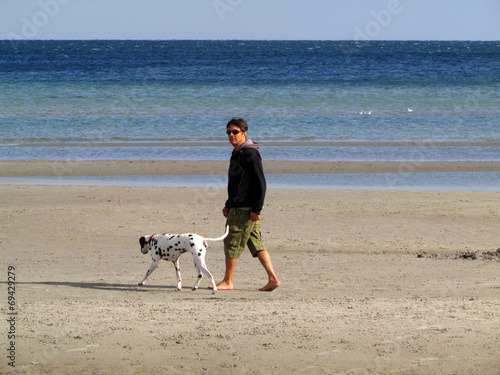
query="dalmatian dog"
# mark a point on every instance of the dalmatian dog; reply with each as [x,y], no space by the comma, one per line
[172,246]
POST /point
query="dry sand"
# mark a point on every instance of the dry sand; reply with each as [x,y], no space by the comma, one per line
[355,297]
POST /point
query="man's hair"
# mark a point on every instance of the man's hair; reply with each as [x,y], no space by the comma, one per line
[239,122]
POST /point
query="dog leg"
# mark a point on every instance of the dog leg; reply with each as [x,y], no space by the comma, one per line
[214,287]
[200,276]
[153,266]
[201,265]
[178,273]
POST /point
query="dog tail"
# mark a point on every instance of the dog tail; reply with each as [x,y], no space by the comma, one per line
[220,238]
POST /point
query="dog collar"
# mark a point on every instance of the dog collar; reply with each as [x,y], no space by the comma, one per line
[150,238]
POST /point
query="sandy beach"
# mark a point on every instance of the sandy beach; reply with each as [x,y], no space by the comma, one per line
[373,282]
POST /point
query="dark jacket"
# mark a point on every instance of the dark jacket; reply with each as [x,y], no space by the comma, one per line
[246,183]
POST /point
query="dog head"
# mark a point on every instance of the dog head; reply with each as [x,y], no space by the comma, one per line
[145,244]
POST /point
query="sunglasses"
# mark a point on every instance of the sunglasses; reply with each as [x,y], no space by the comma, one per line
[234,132]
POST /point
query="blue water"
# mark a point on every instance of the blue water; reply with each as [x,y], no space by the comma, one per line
[63,99]
[187,90]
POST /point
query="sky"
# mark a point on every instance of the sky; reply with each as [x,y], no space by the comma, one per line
[251,19]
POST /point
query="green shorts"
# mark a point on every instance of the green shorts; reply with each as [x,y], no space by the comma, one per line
[242,232]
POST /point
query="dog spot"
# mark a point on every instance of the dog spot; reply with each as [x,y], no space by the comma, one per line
[191,244]
[199,254]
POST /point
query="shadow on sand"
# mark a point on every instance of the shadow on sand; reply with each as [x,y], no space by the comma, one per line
[99,285]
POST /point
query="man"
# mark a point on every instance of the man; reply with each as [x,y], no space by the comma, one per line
[246,191]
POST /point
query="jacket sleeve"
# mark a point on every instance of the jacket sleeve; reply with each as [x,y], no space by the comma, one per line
[251,162]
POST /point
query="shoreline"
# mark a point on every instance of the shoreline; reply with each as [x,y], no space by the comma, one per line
[38,168]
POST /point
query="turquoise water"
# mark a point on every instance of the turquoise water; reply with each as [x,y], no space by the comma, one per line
[356,153]
[140,91]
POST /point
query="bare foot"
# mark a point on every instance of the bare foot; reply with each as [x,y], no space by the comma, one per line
[223,286]
[270,286]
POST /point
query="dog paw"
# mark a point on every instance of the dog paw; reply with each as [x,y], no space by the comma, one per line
[140,284]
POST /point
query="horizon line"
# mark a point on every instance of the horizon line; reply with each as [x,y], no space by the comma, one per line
[250,40]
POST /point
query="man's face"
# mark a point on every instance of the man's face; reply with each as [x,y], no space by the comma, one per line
[236,139]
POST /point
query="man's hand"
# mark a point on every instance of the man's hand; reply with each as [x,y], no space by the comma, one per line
[225,212]
[254,217]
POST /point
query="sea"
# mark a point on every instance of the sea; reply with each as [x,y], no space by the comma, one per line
[307,100]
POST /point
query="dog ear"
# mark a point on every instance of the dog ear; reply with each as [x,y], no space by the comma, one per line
[142,241]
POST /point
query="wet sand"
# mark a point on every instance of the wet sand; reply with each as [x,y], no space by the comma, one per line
[17,168]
